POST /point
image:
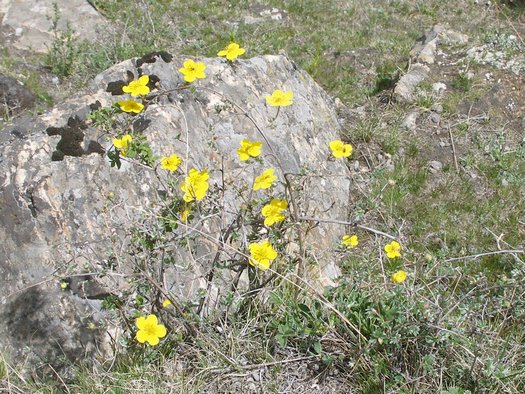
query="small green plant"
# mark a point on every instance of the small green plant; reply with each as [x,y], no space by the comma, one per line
[63,53]
[462,82]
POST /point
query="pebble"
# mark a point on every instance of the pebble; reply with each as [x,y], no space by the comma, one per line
[19,31]
[436,107]
[435,166]
[409,122]
[439,89]
[435,117]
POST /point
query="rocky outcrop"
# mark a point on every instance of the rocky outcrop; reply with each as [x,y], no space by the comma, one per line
[423,55]
[66,215]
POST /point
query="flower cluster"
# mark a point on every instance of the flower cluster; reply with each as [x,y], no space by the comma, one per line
[195,186]
[135,88]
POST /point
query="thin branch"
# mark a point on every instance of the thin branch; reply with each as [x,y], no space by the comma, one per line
[475,256]
[453,150]
[366,228]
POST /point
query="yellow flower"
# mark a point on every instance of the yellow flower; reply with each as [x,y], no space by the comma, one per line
[232,51]
[130,106]
[265,180]
[166,303]
[138,87]
[262,254]
[249,149]
[350,241]
[63,285]
[170,163]
[340,149]
[184,215]
[280,98]
[192,70]
[399,276]
[149,330]
[195,186]
[273,212]
[122,144]
[392,250]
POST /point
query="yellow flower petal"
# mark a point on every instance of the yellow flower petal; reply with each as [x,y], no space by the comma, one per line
[399,276]
[393,250]
[149,330]
[195,185]
[261,254]
[280,98]
[265,180]
[340,149]
[138,87]
[170,163]
[130,106]
[232,51]
[350,241]
[273,212]
[249,149]
[192,70]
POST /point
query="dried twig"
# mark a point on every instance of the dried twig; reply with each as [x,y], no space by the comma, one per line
[366,228]
[475,256]
[453,150]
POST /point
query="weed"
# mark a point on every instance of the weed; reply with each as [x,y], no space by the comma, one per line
[63,53]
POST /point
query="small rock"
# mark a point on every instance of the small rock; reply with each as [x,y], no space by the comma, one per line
[428,53]
[435,117]
[14,96]
[437,108]
[452,37]
[19,31]
[356,165]
[504,182]
[435,166]
[250,20]
[404,90]
[409,122]
[439,88]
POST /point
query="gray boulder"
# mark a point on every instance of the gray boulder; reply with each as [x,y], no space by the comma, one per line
[67,216]
[32,20]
